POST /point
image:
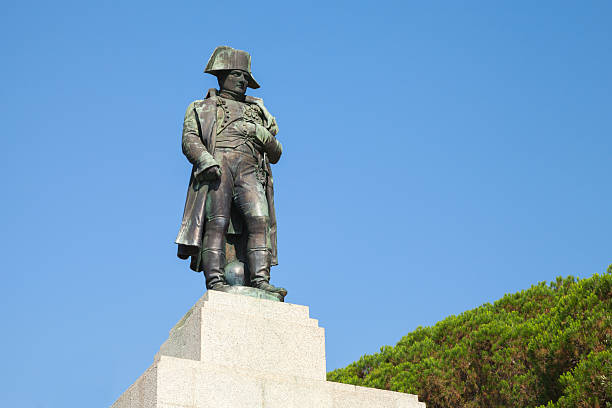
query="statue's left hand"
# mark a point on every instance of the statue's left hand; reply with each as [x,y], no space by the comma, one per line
[259,133]
[263,137]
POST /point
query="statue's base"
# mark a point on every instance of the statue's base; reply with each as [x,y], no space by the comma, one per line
[239,351]
[254,292]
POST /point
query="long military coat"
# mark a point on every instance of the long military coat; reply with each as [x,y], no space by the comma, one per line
[203,120]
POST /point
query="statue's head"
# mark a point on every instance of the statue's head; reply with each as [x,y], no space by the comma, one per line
[232,68]
[234,80]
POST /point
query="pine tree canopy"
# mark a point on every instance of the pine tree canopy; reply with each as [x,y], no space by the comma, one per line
[549,346]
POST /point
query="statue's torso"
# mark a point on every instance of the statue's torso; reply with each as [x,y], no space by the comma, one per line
[232,132]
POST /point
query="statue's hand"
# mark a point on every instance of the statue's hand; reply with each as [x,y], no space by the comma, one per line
[262,136]
[210,174]
[259,133]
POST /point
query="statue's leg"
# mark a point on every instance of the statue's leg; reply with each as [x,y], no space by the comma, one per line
[250,197]
[218,205]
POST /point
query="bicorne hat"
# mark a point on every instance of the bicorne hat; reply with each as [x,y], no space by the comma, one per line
[227,58]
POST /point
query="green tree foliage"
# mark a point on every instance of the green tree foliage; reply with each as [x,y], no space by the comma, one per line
[549,347]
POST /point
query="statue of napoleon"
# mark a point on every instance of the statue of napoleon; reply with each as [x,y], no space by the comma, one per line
[229,224]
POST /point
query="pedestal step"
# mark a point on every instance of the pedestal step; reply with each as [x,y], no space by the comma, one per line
[179,383]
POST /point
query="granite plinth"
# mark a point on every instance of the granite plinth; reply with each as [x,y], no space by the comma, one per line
[236,351]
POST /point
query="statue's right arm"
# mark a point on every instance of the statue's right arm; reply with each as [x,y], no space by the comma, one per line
[193,147]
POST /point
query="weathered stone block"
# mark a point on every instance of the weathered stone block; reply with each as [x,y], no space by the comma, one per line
[234,351]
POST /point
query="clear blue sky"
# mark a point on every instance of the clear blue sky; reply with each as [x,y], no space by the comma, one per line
[437,155]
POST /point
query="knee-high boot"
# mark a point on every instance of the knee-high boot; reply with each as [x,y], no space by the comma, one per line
[259,267]
[258,255]
[213,263]
[213,254]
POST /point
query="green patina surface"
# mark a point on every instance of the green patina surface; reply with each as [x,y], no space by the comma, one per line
[254,292]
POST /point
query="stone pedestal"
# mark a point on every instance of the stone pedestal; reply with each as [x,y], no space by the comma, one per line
[233,351]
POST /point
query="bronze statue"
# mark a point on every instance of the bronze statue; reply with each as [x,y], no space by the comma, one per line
[229,224]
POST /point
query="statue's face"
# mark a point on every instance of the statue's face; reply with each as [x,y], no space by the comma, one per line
[235,81]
